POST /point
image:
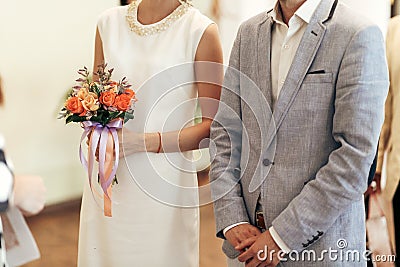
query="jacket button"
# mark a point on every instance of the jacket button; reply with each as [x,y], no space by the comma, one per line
[304,245]
[267,162]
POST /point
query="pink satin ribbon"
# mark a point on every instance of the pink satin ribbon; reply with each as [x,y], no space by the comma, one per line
[108,146]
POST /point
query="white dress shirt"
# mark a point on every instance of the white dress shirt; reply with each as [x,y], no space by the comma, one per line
[284,44]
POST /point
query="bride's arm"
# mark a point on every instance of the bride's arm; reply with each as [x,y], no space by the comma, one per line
[209,50]
[98,54]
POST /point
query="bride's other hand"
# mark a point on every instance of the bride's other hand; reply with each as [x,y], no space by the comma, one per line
[132,142]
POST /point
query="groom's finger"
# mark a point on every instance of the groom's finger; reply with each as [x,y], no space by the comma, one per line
[252,263]
[246,256]
[232,240]
[246,243]
[255,231]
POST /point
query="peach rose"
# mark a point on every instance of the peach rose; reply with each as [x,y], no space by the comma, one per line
[107,98]
[91,102]
[123,102]
[74,105]
[112,86]
[83,92]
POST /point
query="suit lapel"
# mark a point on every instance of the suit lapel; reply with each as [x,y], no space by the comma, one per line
[305,54]
[262,94]
[302,61]
[264,59]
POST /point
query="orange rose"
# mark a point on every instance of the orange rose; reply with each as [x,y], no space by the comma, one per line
[107,98]
[74,105]
[130,93]
[90,102]
[122,102]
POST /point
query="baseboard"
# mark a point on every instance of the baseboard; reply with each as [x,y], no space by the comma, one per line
[62,206]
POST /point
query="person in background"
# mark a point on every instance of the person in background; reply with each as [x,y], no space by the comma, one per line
[125,2]
[26,192]
[390,136]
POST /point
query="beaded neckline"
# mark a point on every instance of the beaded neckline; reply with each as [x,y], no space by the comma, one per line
[160,26]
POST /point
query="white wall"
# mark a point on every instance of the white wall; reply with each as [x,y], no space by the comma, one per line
[43,43]
[233,12]
[376,10]
[203,5]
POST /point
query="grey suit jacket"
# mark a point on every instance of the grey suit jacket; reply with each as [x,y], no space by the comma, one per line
[308,161]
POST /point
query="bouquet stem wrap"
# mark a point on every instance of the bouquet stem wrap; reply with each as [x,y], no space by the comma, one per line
[106,138]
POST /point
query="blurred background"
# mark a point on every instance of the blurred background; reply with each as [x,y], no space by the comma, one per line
[42,44]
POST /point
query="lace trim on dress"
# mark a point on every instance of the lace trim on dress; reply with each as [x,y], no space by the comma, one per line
[160,26]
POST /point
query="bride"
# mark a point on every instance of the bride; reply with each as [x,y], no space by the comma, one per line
[163,47]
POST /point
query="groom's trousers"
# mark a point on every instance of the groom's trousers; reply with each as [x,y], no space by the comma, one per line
[234,263]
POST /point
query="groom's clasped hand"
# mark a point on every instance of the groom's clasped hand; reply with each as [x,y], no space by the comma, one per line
[251,243]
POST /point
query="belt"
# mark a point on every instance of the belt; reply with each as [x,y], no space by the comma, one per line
[260,222]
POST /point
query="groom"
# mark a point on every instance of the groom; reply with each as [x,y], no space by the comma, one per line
[296,134]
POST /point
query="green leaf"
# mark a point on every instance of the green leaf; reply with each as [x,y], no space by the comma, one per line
[129,116]
[115,180]
[75,118]
[96,119]
[114,115]
[68,120]
[96,89]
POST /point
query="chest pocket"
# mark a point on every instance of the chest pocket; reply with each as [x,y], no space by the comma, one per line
[318,78]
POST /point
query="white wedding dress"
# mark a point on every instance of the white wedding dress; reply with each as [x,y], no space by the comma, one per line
[155,218]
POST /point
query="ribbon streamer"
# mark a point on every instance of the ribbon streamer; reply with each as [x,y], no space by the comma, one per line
[107,138]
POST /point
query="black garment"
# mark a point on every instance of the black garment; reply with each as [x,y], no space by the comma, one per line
[3,203]
[371,175]
[3,262]
[373,169]
[396,221]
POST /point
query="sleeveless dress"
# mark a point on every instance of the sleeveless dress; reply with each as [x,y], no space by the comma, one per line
[155,216]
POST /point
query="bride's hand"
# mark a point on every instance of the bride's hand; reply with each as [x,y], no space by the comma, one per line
[130,142]
[97,148]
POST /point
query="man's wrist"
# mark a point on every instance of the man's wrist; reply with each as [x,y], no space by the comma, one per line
[233,226]
[278,240]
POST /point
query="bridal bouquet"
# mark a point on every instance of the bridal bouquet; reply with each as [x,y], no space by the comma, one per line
[102,107]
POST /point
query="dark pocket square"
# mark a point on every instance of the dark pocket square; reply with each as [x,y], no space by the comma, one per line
[316,72]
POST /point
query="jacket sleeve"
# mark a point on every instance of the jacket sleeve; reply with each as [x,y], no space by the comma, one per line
[226,136]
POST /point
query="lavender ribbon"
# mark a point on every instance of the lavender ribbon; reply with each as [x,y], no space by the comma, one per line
[100,132]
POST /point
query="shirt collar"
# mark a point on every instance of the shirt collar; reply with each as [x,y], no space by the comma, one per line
[305,11]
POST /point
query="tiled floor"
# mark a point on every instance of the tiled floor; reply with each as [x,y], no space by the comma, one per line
[56,232]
